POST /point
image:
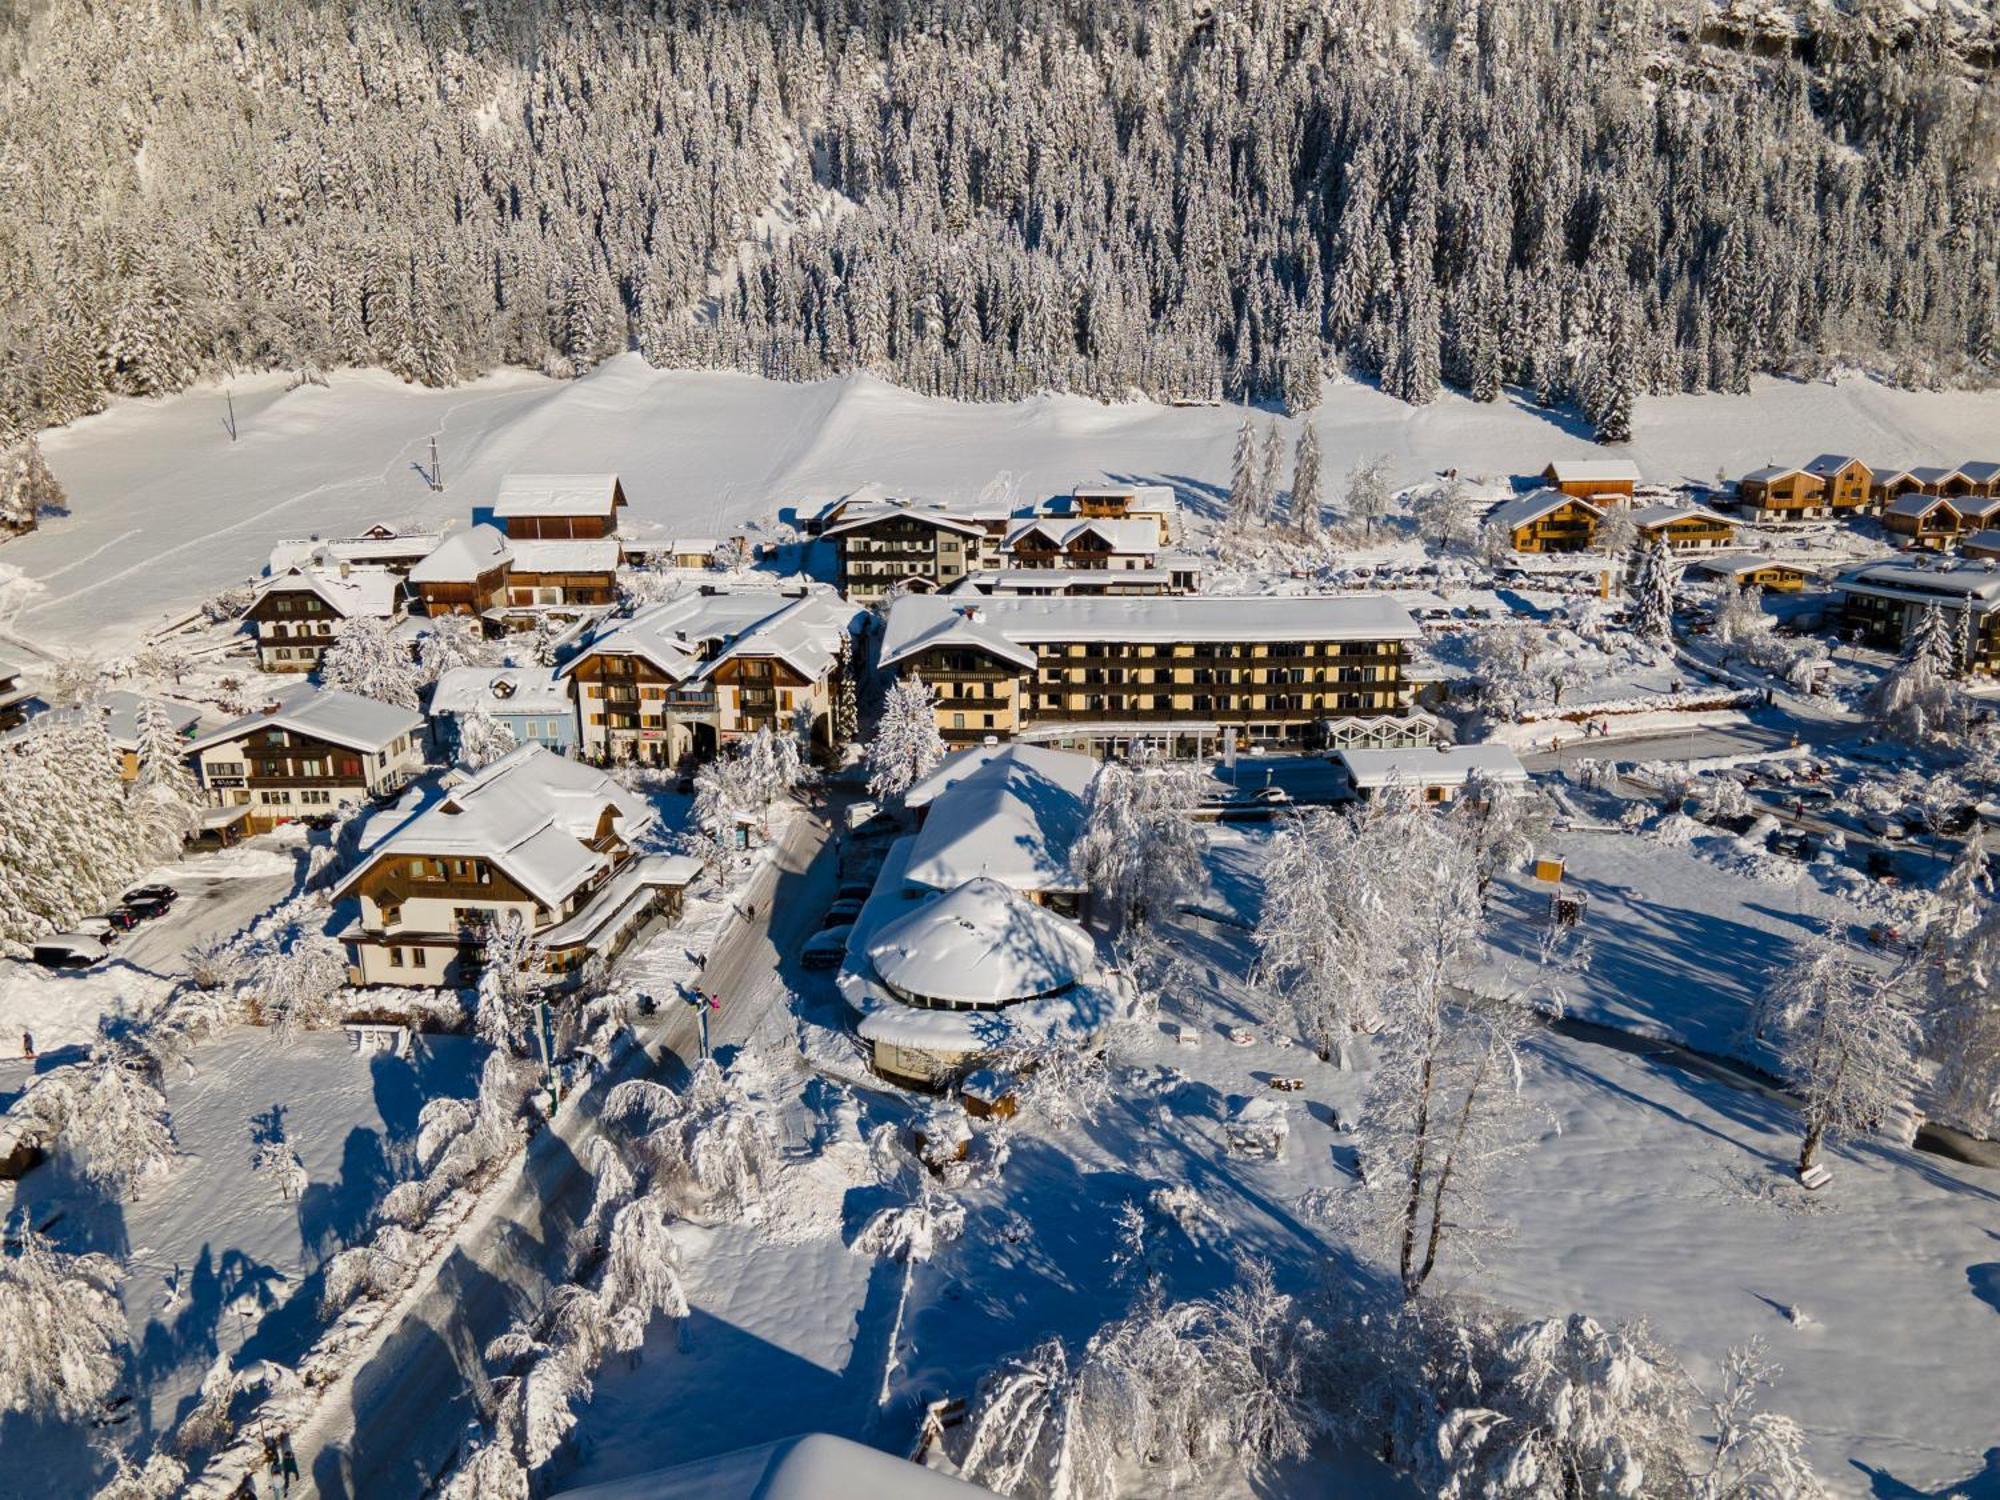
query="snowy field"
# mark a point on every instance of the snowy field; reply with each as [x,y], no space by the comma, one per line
[1877,1297]
[166,510]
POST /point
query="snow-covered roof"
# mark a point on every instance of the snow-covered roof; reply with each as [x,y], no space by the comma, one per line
[1916,504]
[375,545]
[1152,498]
[1737,566]
[1981,471]
[533,813]
[1008,625]
[463,557]
[1665,514]
[1010,813]
[805,634]
[118,710]
[981,944]
[500,690]
[1931,475]
[1771,473]
[1119,533]
[1987,540]
[327,714]
[855,516]
[1976,507]
[1593,471]
[1425,766]
[813,1467]
[1525,510]
[582,555]
[557,495]
[1826,465]
[354,594]
[1975,583]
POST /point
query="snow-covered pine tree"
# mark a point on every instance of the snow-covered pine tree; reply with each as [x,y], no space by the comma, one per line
[907,745]
[166,798]
[1140,852]
[28,490]
[483,739]
[1308,488]
[1915,698]
[1653,593]
[1271,474]
[1247,501]
[846,696]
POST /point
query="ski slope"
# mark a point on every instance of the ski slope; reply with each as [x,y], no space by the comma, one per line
[166,509]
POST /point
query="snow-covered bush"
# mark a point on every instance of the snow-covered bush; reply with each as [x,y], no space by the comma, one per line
[106,1117]
[368,658]
[1140,852]
[483,739]
[1059,1080]
[906,745]
[709,1147]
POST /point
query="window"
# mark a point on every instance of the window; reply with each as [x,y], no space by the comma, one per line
[958,721]
[395,958]
[420,958]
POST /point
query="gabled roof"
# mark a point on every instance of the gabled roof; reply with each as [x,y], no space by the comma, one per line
[1916,504]
[533,813]
[1826,465]
[374,544]
[1736,567]
[956,625]
[118,711]
[1931,474]
[1009,816]
[500,690]
[464,557]
[856,517]
[360,593]
[1122,533]
[328,714]
[684,636]
[1982,471]
[1890,476]
[558,495]
[1525,510]
[1593,471]
[1152,498]
[1772,473]
[1984,540]
[805,635]
[1648,516]
[983,944]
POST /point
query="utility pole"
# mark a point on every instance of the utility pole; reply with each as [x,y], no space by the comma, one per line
[229,397]
[437,472]
[548,1065]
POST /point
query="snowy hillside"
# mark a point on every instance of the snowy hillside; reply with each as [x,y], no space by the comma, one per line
[166,510]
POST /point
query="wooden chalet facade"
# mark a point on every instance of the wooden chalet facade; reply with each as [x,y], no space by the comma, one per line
[465,575]
[1928,522]
[535,837]
[298,616]
[1548,521]
[1684,528]
[1847,485]
[312,753]
[1603,480]
[559,507]
[1767,573]
[1783,494]
[562,574]
[1185,675]
[925,550]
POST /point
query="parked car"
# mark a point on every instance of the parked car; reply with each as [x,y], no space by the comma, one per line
[70,950]
[145,908]
[164,893]
[123,918]
[1801,846]
[1882,825]
[881,826]
[843,911]
[854,890]
[825,949]
[99,928]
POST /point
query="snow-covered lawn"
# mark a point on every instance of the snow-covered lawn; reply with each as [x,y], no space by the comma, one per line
[166,510]
[1658,1191]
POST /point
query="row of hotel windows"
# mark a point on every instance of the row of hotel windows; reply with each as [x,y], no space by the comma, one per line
[306,797]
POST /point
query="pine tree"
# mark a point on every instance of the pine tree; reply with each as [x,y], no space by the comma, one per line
[1270,474]
[1246,498]
[1654,590]
[907,745]
[1308,496]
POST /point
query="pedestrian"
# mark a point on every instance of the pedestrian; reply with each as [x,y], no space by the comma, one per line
[288,1460]
[28,1045]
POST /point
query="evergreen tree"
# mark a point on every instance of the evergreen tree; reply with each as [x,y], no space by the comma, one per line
[1308,497]
[1653,593]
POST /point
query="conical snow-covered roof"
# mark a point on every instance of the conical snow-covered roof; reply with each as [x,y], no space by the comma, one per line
[981,944]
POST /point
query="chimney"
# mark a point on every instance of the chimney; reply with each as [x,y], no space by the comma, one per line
[973,613]
[346,567]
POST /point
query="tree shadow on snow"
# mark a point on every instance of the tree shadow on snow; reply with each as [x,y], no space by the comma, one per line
[1985,1485]
[334,1215]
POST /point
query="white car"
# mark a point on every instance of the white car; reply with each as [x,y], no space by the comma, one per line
[825,950]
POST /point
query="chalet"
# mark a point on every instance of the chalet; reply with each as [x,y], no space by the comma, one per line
[118,712]
[466,574]
[377,547]
[1883,602]
[533,836]
[1120,502]
[15,696]
[561,575]
[533,703]
[1092,545]
[1982,478]
[1432,773]
[1603,480]
[1547,521]
[1847,483]
[879,547]
[675,680]
[1778,493]
[311,752]
[1931,522]
[1759,572]
[1684,526]
[299,614]
[1981,545]
[559,507]
[1892,484]
[1005,812]
[1951,484]
[1977,511]
[1187,675]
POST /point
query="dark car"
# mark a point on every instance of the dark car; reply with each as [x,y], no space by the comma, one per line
[123,918]
[146,908]
[164,893]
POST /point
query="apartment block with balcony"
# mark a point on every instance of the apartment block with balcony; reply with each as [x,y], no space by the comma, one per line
[1547,521]
[299,614]
[311,753]
[1189,676]
[534,836]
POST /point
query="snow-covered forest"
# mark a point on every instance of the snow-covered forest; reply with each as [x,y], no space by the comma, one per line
[1588,199]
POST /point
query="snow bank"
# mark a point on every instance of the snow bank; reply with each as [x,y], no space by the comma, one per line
[1625,724]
